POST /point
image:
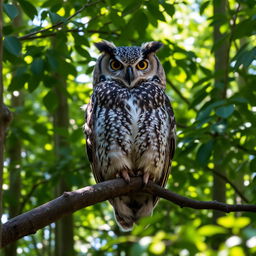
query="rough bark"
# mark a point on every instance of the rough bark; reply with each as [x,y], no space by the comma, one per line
[29,222]
[14,153]
[221,55]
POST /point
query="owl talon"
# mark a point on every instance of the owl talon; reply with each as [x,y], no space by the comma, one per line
[146,178]
[125,175]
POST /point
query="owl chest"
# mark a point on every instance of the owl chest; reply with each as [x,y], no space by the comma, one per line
[128,120]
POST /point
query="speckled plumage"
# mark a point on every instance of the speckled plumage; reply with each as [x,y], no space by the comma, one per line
[130,126]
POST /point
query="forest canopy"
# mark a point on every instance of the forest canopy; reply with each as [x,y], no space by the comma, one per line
[209,57]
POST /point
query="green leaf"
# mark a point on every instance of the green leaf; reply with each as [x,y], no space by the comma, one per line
[210,230]
[207,108]
[140,18]
[18,82]
[225,111]
[33,83]
[244,28]
[245,58]
[204,153]
[116,19]
[37,66]
[154,11]
[55,18]
[82,51]
[50,101]
[157,248]
[203,6]
[11,10]
[169,8]
[52,62]
[28,8]
[233,222]
[12,45]
[132,7]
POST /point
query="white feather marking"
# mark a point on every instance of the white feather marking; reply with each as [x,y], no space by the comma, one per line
[134,111]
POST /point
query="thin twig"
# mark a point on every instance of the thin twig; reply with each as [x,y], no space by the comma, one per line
[225,178]
[183,201]
[70,30]
[28,195]
[247,150]
[178,91]
[61,23]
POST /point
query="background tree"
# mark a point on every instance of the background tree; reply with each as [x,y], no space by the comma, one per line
[209,58]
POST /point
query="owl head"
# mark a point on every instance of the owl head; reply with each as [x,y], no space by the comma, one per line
[129,65]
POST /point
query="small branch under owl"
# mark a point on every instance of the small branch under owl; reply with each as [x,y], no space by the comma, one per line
[31,221]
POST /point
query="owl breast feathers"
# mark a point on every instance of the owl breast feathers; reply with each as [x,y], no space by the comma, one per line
[130,125]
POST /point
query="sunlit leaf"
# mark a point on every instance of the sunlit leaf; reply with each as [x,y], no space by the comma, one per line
[203,6]
[169,8]
[233,222]
[157,248]
[237,251]
[210,230]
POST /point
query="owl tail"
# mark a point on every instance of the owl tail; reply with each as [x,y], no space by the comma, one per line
[129,209]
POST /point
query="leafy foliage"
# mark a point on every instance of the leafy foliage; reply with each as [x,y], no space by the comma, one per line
[56,37]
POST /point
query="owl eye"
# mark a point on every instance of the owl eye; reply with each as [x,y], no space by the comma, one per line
[142,65]
[116,65]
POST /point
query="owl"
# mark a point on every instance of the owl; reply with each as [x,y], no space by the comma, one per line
[130,125]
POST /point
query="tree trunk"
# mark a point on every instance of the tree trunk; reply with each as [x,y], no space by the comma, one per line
[64,242]
[221,55]
[14,153]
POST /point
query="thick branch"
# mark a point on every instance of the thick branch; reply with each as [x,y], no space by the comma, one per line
[29,222]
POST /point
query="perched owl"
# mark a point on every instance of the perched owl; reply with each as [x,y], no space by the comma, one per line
[130,125]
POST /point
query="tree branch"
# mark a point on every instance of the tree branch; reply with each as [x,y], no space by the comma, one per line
[59,24]
[29,222]
[72,31]
[227,180]
[178,92]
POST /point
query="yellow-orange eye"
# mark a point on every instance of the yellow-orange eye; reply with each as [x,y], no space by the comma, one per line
[116,65]
[142,65]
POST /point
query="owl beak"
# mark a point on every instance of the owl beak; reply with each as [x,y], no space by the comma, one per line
[129,76]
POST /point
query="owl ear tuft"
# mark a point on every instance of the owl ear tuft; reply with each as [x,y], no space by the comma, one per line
[151,47]
[105,46]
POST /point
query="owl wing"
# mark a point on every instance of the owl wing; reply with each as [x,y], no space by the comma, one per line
[90,138]
[170,147]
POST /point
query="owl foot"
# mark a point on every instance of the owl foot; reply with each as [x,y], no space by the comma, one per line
[125,174]
[146,177]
